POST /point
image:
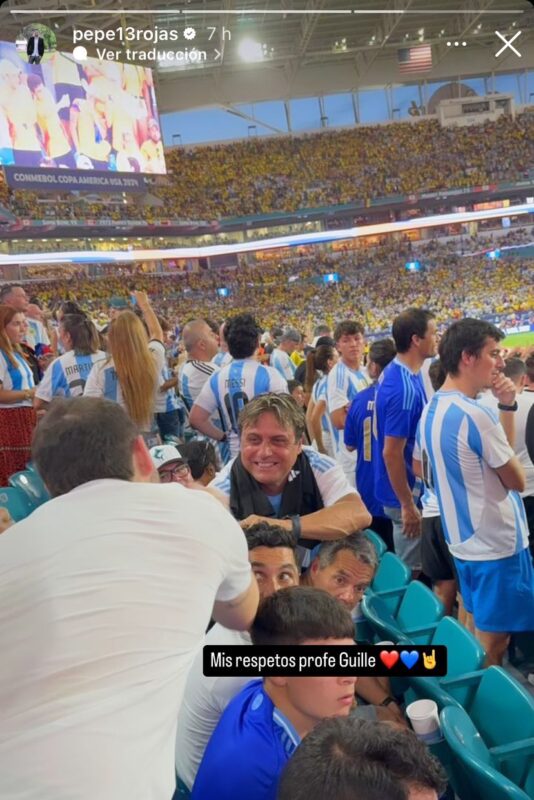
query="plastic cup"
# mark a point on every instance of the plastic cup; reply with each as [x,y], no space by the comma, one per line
[424,719]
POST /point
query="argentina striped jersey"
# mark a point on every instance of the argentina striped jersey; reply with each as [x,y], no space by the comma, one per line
[462,443]
[232,387]
[221,359]
[15,379]
[280,361]
[66,375]
[343,384]
[167,401]
[36,333]
[319,392]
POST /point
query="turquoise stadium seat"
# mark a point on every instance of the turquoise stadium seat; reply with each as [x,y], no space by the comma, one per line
[31,484]
[391,576]
[465,659]
[503,712]
[15,502]
[419,609]
[377,541]
[380,619]
[476,774]
[418,612]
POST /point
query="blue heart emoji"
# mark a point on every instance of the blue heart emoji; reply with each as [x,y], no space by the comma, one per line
[409,659]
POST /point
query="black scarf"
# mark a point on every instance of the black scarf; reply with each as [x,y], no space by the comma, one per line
[301,495]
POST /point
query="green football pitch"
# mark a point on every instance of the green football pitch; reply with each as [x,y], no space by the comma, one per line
[519,340]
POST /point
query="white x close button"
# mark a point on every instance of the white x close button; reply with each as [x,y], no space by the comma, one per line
[508,43]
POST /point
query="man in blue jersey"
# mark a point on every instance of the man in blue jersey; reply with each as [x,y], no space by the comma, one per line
[264,724]
[468,460]
[345,380]
[232,387]
[359,437]
[400,398]
[275,478]
[280,357]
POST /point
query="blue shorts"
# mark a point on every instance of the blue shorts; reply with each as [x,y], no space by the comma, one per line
[499,594]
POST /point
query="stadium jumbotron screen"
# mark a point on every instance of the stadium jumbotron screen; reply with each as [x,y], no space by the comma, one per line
[94,115]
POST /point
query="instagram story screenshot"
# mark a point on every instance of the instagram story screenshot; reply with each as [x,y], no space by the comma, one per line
[267,400]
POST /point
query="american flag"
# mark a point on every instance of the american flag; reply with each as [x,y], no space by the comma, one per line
[415,59]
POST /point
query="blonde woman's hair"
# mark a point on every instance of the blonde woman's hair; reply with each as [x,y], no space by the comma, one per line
[135,366]
[6,315]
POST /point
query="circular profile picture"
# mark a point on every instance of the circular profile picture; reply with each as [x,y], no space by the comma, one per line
[36,43]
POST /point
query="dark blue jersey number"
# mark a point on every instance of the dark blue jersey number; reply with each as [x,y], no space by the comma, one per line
[234,403]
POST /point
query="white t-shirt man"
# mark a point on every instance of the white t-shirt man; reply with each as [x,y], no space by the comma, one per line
[204,701]
[105,594]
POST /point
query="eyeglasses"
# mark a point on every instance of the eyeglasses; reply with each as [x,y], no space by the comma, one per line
[178,471]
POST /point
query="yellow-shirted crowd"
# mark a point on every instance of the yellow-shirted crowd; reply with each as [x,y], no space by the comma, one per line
[374,287]
[273,174]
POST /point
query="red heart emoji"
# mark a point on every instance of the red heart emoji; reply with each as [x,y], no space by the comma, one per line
[389,657]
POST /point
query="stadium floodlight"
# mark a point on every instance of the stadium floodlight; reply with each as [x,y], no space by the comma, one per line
[250,50]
